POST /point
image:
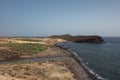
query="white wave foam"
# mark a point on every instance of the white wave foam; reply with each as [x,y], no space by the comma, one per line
[87,68]
[84,65]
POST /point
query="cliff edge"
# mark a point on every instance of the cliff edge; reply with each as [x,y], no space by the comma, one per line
[80,39]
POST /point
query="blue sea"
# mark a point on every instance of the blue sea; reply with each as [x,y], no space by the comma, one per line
[103,60]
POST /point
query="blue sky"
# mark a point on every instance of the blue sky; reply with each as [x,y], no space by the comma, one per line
[51,17]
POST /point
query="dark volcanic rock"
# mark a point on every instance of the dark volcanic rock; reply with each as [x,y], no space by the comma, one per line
[89,39]
[80,39]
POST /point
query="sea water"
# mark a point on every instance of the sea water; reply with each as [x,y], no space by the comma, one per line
[101,59]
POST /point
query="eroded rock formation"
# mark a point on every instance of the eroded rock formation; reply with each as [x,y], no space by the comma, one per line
[80,39]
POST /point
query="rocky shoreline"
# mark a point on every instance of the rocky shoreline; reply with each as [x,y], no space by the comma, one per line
[78,60]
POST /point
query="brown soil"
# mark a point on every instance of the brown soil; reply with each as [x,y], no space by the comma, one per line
[46,41]
[6,55]
[49,52]
[54,70]
[45,70]
[60,69]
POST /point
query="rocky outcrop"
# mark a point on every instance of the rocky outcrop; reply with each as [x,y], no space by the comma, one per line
[89,39]
[80,39]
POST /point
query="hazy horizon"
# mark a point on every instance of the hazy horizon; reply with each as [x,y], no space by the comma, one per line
[56,17]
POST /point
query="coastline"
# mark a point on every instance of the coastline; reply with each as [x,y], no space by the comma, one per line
[78,62]
[70,63]
[91,74]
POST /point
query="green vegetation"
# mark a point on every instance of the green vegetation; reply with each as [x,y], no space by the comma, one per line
[25,48]
[28,68]
[17,68]
[27,73]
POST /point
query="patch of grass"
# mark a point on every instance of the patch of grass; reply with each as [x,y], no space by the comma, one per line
[17,68]
[28,48]
[28,68]
[27,73]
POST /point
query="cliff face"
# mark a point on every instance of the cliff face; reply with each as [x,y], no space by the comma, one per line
[80,39]
[89,39]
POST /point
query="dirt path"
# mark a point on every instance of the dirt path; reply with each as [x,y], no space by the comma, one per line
[53,58]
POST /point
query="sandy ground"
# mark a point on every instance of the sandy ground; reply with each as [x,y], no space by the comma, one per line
[46,41]
[54,70]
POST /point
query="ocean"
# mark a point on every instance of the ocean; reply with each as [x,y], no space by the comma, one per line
[102,60]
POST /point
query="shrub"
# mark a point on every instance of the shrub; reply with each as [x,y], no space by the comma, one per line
[27,73]
[28,68]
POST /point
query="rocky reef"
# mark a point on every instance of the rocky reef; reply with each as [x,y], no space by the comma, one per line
[80,39]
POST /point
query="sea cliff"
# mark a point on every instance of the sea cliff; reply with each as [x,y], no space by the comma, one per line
[80,39]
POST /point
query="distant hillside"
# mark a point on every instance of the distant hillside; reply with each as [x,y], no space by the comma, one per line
[87,39]
[67,37]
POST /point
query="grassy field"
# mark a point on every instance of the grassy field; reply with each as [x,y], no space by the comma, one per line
[21,48]
[25,48]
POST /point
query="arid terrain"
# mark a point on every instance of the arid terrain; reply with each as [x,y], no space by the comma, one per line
[53,64]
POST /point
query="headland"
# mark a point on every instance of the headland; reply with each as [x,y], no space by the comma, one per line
[38,59]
